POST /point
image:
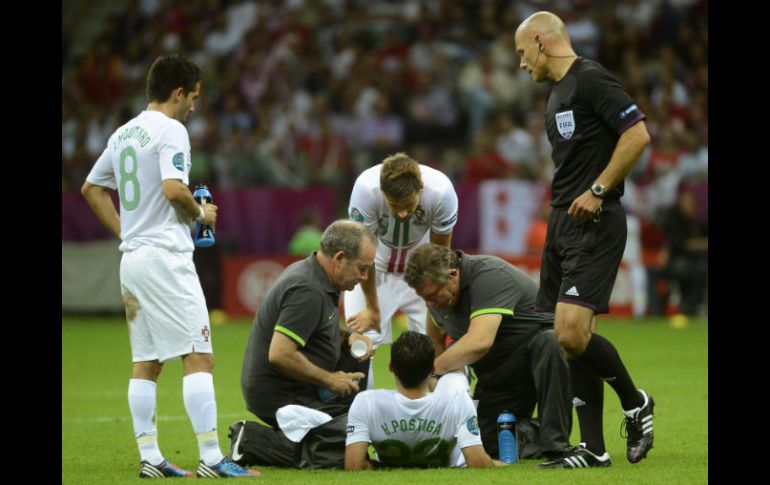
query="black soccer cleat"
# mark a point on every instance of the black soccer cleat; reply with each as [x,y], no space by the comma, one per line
[579,457]
[236,435]
[638,427]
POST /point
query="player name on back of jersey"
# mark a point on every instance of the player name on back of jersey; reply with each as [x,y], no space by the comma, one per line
[137,132]
[414,425]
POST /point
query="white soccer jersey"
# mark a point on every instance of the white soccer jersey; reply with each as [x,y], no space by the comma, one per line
[436,211]
[141,154]
[430,431]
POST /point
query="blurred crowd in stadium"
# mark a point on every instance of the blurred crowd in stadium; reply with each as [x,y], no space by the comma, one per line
[310,92]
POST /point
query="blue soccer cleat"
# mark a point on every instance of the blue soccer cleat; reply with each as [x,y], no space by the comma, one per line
[163,470]
[225,468]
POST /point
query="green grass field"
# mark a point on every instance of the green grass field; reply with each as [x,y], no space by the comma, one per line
[98,444]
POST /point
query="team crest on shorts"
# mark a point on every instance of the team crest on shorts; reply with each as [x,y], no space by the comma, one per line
[205,332]
[565,123]
[473,425]
[351,428]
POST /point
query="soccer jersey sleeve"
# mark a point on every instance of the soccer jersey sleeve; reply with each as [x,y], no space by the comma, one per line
[102,173]
[300,314]
[454,389]
[174,153]
[468,432]
[493,291]
[358,422]
[363,205]
[445,215]
[605,96]
[453,383]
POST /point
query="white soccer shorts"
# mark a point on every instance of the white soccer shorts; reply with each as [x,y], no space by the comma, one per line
[165,307]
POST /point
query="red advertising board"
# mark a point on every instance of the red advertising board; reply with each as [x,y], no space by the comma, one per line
[247,279]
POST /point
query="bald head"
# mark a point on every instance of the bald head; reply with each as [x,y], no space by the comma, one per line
[346,236]
[544,23]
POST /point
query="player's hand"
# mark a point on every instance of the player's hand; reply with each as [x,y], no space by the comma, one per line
[365,320]
[344,383]
[586,206]
[369,351]
[211,215]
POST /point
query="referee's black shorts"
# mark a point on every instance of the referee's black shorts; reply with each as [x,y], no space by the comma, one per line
[581,258]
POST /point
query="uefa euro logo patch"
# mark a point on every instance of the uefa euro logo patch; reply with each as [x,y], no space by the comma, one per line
[565,123]
[624,114]
[356,215]
[179,161]
[473,425]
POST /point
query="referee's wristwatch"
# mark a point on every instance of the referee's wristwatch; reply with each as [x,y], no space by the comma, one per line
[599,190]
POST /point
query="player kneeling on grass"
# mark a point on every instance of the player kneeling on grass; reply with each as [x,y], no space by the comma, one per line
[411,427]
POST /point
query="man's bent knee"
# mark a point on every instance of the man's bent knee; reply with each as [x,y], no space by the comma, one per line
[574,344]
[573,328]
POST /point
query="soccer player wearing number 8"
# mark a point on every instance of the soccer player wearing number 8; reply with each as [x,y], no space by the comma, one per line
[411,427]
[148,161]
[405,204]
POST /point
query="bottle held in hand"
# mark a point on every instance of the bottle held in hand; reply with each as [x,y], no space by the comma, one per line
[204,234]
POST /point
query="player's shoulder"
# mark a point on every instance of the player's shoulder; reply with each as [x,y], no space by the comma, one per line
[435,181]
[366,189]
[370,176]
[434,174]
[161,124]
[374,396]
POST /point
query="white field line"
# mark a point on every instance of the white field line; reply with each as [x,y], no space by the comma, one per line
[127,418]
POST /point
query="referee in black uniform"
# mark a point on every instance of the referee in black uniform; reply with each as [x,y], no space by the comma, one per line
[597,134]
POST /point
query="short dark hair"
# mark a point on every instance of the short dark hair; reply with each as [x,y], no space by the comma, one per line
[346,236]
[411,357]
[433,262]
[400,176]
[168,73]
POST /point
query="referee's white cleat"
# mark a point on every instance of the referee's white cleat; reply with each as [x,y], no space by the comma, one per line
[579,457]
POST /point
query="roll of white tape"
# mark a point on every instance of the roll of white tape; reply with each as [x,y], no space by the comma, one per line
[358,349]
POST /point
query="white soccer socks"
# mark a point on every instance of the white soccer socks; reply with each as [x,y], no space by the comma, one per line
[141,401]
[201,406]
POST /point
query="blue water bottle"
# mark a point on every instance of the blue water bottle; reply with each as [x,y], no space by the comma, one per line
[204,234]
[506,437]
[325,394]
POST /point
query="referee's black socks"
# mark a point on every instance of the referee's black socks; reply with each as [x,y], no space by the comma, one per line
[603,357]
[588,399]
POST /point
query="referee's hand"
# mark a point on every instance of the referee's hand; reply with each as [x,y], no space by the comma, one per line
[586,206]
